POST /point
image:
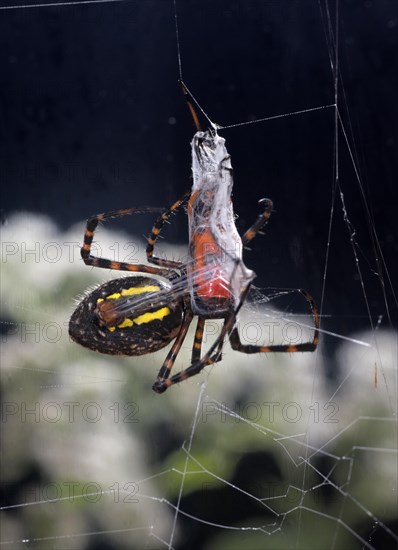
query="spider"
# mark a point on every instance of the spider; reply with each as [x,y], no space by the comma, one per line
[141,314]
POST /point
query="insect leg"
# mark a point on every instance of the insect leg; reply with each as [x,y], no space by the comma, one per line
[189,100]
[259,223]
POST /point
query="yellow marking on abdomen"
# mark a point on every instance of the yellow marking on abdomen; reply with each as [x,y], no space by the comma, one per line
[159,314]
[132,291]
[148,317]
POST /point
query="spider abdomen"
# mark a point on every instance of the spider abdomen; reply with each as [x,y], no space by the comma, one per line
[128,316]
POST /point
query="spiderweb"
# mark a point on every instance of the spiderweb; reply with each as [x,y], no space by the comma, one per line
[273,451]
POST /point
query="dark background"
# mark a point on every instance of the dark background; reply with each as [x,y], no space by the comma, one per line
[92,119]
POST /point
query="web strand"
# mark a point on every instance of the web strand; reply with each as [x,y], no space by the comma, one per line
[177,40]
[60,4]
[283,115]
[301,449]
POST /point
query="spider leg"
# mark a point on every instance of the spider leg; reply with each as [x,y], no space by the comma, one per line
[168,363]
[197,345]
[259,223]
[95,261]
[170,264]
[237,345]
[228,328]
[209,358]
[163,381]
[234,337]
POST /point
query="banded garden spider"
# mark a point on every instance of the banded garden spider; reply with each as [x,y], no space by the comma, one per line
[142,314]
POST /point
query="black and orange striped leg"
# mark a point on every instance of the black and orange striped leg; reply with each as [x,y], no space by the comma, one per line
[197,345]
[195,368]
[237,345]
[165,369]
[95,261]
[209,358]
[169,264]
[260,222]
